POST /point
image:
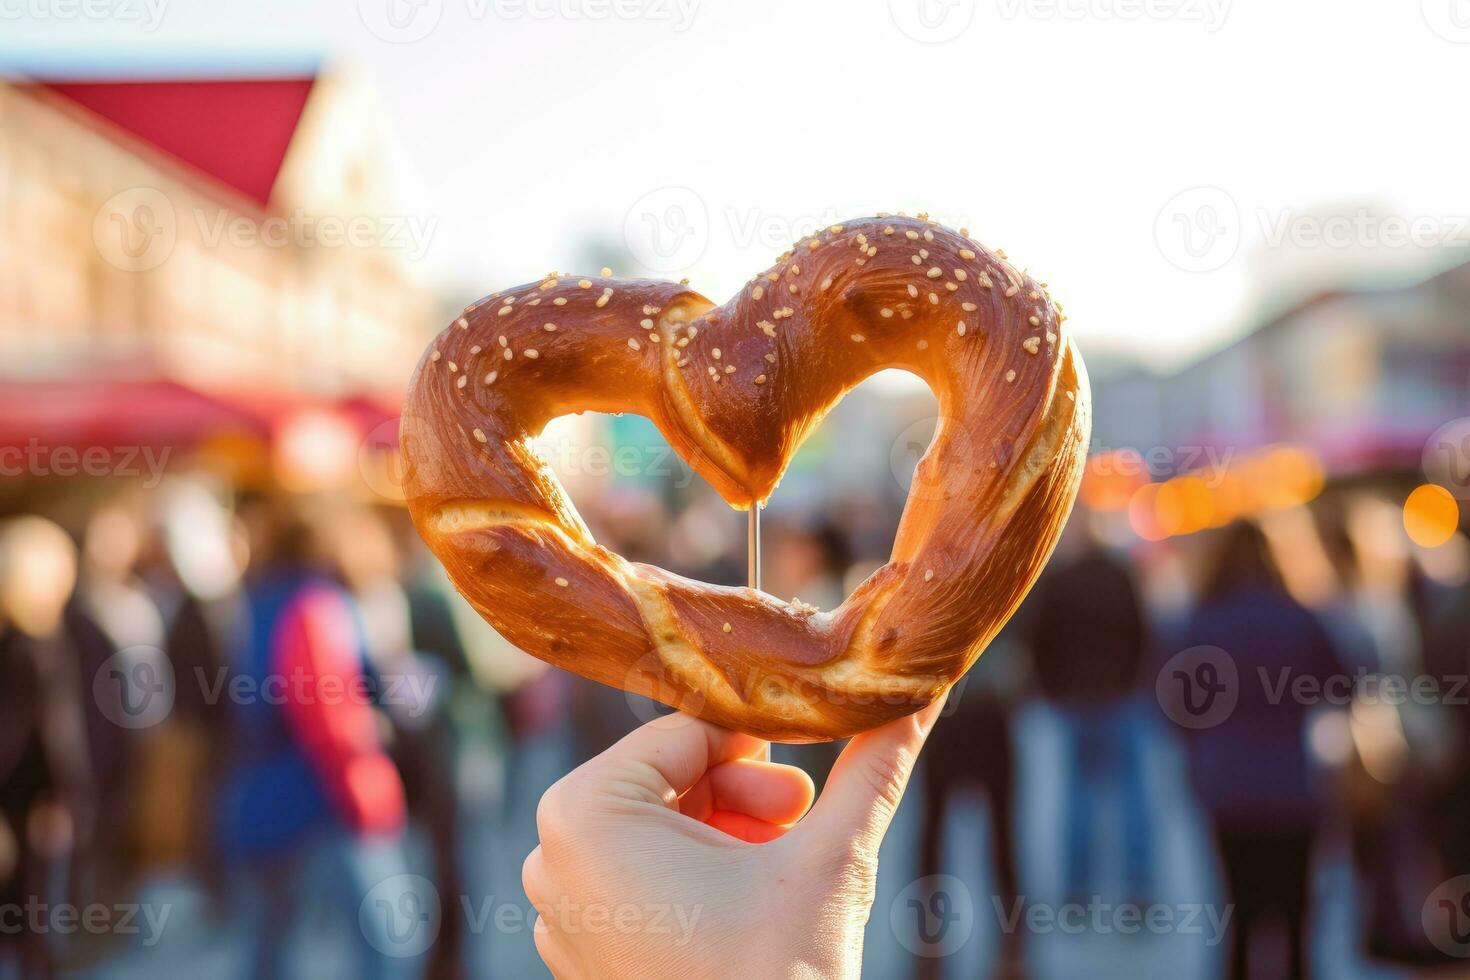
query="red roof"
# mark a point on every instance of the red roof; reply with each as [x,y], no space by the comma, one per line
[235,131]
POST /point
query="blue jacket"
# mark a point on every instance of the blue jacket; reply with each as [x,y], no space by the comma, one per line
[1253,769]
[272,798]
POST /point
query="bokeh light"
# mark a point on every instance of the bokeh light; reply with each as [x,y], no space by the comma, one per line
[316,450]
[1276,478]
[1430,515]
[1111,479]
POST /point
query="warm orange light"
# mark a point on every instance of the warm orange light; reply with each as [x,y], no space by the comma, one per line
[1188,497]
[1284,476]
[244,458]
[1230,497]
[1170,512]
[1111,479]
[1430,515]
[1277,478]
[1143,513]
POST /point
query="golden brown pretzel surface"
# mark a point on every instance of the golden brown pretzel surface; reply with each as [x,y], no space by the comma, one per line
[735,389]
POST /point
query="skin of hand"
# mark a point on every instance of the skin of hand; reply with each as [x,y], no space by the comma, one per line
[681,853]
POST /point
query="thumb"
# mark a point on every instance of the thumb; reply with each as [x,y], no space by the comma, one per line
[869,778]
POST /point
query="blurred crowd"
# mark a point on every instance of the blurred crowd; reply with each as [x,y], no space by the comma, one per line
[280,699]
[1310,666]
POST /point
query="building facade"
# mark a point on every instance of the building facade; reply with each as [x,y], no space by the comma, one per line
[146,235]
[1361,377]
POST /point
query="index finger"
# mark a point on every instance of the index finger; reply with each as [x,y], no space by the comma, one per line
[666,757]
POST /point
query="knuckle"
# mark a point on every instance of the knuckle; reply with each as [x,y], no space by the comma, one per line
[532,873]
[863,889]
[859,857]
[852,871]
[542,937]
[554,813]
[888,775]
[553,952]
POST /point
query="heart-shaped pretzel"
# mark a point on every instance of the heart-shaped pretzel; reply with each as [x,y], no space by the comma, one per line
[735,389]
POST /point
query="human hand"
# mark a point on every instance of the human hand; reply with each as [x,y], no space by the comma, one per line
[681,853]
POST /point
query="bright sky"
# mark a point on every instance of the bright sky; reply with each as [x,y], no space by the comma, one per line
[1072,133]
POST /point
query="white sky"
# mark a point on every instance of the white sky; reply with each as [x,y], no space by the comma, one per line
[1057,129]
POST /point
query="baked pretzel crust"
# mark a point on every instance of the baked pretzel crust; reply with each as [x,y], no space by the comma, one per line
[735,389]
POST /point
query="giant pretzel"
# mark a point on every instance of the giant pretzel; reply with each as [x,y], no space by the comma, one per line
[735,389]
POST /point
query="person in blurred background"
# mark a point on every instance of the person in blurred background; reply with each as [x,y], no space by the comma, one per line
[45,777]
[313,807]
[1397,748]
[120,631]
[805,559]
[973,749]
[1251,772]
[1447,654]
[109,588]
[414,685]
[207,555]
[1088,638]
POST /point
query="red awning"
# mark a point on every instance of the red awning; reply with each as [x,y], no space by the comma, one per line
[80,413]
[372,418]
[117,414]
